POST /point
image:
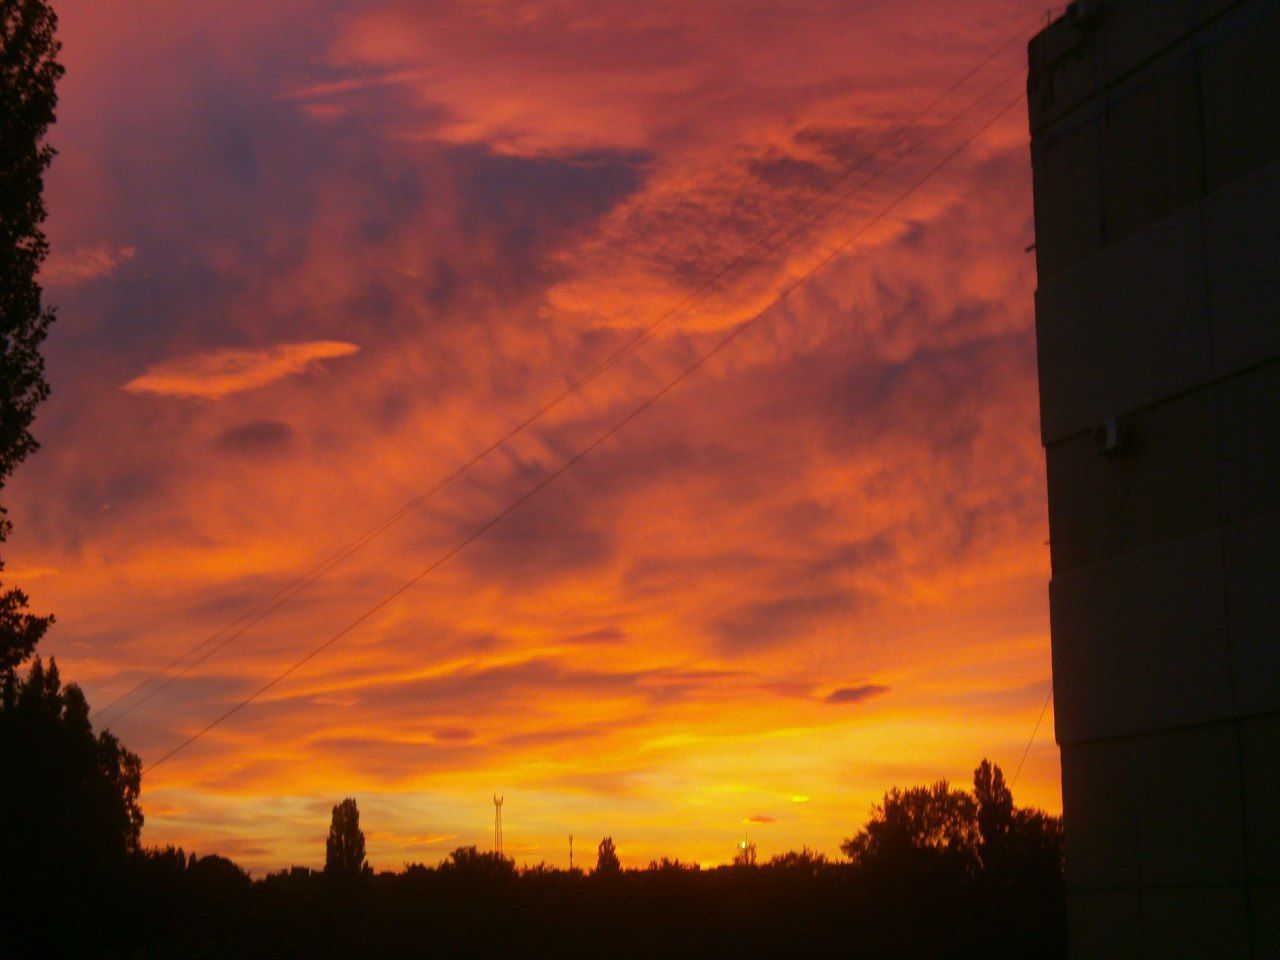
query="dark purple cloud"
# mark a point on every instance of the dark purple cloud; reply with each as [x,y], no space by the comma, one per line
[859,694]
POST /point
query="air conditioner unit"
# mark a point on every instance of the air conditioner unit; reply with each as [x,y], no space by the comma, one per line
[1108,437]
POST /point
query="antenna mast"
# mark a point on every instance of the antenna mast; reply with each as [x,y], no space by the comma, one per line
[497,825]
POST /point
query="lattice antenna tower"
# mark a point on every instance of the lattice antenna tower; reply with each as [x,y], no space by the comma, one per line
[497,825]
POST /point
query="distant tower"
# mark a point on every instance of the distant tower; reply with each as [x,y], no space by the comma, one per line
[571,853]
[497,825]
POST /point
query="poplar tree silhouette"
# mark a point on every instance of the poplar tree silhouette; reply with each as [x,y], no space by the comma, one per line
[996,820]
[344,850]
[607,861]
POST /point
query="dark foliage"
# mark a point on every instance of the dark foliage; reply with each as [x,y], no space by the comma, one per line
[29,73]
[607,862]
[941,831]
[925,843]
[69,799]
[803,862]
[344,849]
[20,630]
[475,864]
[69,814]
[921,830]
[938,873]
[476,904]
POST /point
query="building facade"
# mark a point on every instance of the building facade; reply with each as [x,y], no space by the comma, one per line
[1156,152]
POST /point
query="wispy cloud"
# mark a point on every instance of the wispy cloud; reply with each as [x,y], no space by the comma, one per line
[81,264]
[219,373]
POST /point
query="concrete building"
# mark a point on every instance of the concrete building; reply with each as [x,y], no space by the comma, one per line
[1156,150]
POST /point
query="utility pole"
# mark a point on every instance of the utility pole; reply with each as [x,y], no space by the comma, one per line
[497,825]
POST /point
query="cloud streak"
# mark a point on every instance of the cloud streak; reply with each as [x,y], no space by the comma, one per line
[219,373]
[858,694]
[83,264]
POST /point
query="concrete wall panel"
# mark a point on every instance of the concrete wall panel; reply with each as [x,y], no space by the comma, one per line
[1187,792]
[1068,198]
[1195,923]
[1240,82]
[1251,562]
[1139,643]
[1249,443]
[1161,486]
[1243,270]
[1204,11]
[1264,911]
[1260,761]
[1101,826]
[1136,31]
[1104,925]
[1065,71]
[1151,156]
[1116,333]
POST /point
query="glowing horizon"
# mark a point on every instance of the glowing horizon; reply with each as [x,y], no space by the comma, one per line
[308,260]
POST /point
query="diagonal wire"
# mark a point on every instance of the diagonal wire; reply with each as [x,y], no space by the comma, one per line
[1031,740]
[568,464]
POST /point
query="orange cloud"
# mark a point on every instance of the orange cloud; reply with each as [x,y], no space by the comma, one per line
[213,375]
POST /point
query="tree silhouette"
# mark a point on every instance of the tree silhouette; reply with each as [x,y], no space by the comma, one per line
[69,815]
[29,72]
[68,799]
[472,862]
[903,898]
[607,862]
[932,829]
[344,850]
[922,828]
[803,862]
[745,856]
[995,813]
[668,865]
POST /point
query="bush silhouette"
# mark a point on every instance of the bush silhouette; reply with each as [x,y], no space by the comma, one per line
[473,863]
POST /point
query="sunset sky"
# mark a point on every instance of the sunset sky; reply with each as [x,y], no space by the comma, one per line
[310,257]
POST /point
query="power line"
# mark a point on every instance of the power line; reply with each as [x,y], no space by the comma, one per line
[572,461]
[749,257]
[1014,782]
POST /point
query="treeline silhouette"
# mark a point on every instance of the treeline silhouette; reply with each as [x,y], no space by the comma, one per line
[935,872]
